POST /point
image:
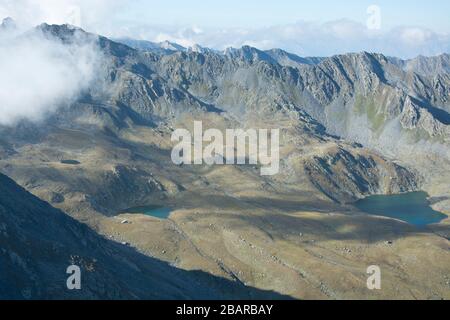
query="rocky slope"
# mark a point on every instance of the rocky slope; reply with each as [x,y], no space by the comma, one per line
[39,242]
[401,112]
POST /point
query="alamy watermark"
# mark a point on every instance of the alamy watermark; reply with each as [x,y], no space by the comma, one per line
[374,280]
[74,280]
[213,147]
[73,16]
[374,20]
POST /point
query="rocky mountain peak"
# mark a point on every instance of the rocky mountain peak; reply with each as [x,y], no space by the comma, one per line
[288,59]
[8,24]
[429,65]
[199,49]
[65,32]
[167,45]
[249,54]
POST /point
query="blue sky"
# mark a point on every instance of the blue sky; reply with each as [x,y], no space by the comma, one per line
[406,29]
[433,14]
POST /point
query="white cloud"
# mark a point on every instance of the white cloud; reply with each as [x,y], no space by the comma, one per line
[415,36]
[39,74]
[83,13]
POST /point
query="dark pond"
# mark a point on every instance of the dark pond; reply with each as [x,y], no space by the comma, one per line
[412,208]
[153,211]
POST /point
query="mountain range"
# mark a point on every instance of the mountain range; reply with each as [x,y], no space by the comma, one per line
[351,125]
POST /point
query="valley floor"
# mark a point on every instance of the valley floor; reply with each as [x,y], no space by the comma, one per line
[279,234]
[315,253]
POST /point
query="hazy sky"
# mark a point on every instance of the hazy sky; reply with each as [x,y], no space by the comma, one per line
[434,14]
[404,28]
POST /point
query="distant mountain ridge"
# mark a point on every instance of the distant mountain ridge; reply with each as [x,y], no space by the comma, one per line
[281,56]
[427,66]
[420,64]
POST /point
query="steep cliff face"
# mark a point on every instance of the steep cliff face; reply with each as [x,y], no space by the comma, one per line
[346,177]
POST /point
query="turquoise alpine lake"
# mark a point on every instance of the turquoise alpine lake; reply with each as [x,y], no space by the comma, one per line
[152,211]
[412,208]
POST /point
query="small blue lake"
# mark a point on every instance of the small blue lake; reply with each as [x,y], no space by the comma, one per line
[152,211]
[412,208]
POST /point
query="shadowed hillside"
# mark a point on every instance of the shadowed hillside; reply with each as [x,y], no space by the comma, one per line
[39,242]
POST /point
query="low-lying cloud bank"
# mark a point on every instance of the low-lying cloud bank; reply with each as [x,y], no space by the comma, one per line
[39,73]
